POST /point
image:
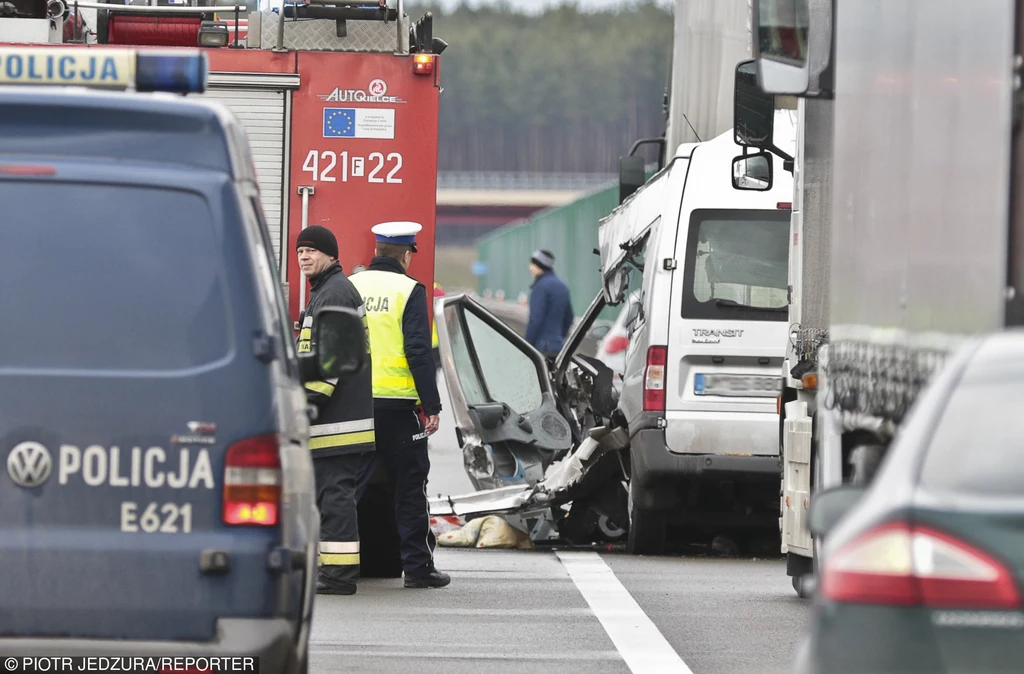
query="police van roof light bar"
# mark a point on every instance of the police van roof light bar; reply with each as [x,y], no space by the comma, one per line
[178,71]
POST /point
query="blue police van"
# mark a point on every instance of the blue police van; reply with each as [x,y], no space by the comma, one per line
[158,497]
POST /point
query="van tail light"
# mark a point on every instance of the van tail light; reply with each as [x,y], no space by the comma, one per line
[252,482]
[616,344]
[654,379]
[905,565]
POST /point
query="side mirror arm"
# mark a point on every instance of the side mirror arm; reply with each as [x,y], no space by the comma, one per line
[786,158]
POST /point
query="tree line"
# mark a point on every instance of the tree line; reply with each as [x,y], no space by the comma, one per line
[561,91]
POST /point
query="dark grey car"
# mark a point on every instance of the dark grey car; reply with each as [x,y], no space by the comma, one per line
[922,571]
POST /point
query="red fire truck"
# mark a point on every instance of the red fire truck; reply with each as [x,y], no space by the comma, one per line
[339,100]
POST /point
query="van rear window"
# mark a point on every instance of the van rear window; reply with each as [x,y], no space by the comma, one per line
[737,265]
[108,277]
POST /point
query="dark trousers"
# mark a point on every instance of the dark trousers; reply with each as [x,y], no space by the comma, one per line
[403,453]
[336,480]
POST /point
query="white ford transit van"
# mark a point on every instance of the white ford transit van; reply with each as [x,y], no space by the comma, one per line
[707,339]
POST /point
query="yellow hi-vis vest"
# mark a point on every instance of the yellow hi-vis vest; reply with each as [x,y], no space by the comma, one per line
[385,295]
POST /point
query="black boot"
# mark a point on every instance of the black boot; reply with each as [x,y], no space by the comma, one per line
[434,579]
[334,587]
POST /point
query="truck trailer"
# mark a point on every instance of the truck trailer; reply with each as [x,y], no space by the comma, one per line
[906,227]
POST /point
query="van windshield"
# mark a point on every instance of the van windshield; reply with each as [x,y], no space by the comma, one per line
[737,265]
[108,277]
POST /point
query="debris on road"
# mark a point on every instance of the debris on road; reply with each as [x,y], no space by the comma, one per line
[541,508]
[442,524]
[486,532]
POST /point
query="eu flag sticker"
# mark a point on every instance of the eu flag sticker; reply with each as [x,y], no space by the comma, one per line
[359,123]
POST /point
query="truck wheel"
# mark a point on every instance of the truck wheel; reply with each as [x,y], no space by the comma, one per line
[804,585]
[801,569]
[646,527]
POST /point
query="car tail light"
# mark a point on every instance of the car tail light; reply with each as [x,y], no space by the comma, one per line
[252,482]
[654,379]
[616,344]
[905,565]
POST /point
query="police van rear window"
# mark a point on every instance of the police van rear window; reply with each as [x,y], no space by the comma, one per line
[108,277]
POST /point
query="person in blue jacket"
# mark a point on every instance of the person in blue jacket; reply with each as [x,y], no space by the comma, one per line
[551,314]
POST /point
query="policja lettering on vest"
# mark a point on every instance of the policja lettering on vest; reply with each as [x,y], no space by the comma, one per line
[404,387]
[343,431]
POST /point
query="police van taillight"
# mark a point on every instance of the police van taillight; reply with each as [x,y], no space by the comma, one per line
[252,482]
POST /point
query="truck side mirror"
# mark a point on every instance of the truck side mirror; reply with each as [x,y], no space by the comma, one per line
[752,172]
[339,335]
[632,176]
[753,109]
[792,42]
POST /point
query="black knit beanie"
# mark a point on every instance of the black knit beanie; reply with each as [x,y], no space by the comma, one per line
[319,238]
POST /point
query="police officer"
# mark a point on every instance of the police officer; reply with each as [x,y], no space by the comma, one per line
[342,432]
[404,384]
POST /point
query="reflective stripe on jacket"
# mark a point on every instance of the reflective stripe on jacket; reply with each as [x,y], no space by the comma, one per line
[344,422]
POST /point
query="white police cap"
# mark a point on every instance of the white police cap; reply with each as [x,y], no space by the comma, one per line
[403,233]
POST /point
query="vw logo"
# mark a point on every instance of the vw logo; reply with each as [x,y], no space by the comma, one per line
[29,464]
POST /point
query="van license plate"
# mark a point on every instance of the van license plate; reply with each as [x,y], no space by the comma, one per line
[736,385]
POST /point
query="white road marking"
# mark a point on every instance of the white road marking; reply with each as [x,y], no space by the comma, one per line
[636,637]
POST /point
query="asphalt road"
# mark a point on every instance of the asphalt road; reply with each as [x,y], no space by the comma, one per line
[557,610]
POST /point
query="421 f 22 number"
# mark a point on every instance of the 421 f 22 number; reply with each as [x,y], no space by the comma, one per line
[327,166]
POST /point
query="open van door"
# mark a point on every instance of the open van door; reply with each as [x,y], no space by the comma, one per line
[506,414]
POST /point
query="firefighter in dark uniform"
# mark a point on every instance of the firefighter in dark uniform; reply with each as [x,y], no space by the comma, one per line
[406,402]
[342,433]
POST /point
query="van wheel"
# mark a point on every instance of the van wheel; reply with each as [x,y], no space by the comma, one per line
[646,532]
[646,527]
